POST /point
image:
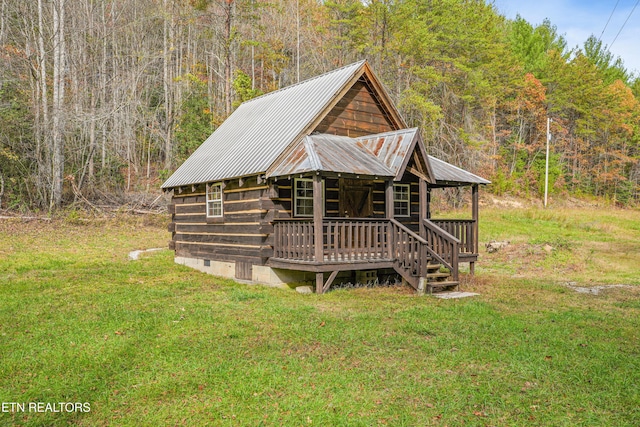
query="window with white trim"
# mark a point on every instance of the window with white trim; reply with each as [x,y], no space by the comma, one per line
[401,199]
[303,197]
[214,200]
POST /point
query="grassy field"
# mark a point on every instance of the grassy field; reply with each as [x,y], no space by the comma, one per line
[151,343]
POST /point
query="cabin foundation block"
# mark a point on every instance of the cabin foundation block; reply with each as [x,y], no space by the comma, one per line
[266,275]
[261,274]
[217,268]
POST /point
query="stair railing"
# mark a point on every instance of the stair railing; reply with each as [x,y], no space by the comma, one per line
[409,250]
[442,246]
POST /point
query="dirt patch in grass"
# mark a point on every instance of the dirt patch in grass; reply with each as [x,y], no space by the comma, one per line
[595,290]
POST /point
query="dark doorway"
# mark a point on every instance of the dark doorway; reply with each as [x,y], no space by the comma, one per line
[356,199]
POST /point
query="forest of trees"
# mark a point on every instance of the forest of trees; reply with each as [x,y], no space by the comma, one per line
[101,98]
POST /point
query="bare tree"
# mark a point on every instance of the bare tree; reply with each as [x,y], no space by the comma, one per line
[3,20]
[57,126]
[168,49]
[228,9]
[1,189]
[43,110]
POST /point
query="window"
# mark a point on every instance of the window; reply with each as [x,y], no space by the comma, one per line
[214,200]
[401,199]
[303,197]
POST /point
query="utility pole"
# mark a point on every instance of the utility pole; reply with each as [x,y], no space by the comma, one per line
[546,167]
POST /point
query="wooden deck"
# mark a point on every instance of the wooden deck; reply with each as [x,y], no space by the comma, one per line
[363,244]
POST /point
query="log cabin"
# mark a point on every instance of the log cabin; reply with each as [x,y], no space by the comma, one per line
[316,181]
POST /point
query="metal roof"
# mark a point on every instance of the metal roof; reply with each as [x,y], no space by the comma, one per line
[251,140]
[253,137]
[381,155]
[446,173]
[331,153]
[391,148]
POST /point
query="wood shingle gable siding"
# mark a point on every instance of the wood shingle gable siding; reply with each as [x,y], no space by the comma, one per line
[358,113]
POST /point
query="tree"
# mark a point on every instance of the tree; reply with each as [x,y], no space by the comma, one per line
[532,45]
[196,121]
[57,107]
[610,67]
[112,94]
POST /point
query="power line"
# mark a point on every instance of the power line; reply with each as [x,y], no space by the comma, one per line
[608,20]
[625,23]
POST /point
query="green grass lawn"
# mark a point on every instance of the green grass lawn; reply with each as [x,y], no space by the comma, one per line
[152,343]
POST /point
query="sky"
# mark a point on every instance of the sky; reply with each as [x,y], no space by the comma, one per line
[576,20]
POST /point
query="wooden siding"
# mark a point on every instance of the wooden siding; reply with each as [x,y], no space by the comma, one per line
[283,200]
[358,113]
[245,233]
[242,235]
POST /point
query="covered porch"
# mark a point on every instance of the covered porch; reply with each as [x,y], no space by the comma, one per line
[366,243]
[373,216]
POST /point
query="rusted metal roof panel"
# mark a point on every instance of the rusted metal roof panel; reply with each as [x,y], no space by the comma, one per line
[391,148]
[253,137]
[446,173]
[331,153]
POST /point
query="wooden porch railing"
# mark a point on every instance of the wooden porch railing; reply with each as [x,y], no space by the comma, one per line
[294,239]
[444,247]
[463,230]
[355,240]
[344,239]
[347,240]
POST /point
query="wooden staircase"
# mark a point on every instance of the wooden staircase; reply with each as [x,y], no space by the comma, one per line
[416,259]
[440,278]
[437,278]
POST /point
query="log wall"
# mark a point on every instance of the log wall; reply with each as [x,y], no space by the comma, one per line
[284,198]
[245,233]
[242,235]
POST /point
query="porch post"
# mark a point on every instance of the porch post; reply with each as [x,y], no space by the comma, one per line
[388,197]
[318,201]
[474,215]
[424,208]
[388,209]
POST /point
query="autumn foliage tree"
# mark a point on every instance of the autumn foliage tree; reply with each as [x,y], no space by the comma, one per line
[112,95]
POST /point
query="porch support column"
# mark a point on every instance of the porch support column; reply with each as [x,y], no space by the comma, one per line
[388,198]
[474,215]
[388,212]
[317,228]
[424,206]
